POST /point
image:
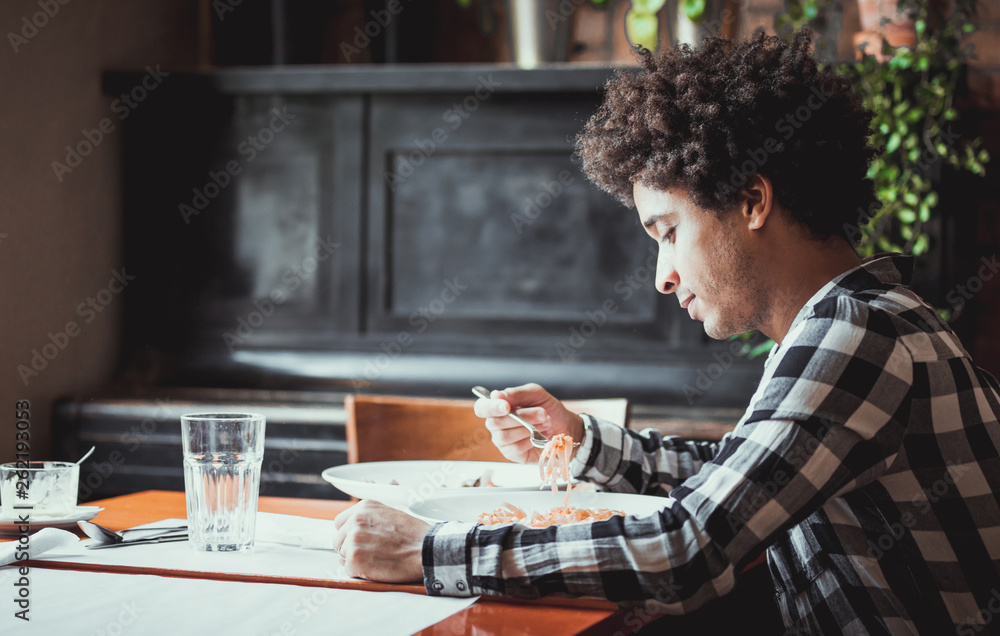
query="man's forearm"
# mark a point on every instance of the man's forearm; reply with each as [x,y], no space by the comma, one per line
[609,456]
[628,560]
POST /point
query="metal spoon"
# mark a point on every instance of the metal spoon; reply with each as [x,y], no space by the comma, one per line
[537,439]
[106,537]
[86,455]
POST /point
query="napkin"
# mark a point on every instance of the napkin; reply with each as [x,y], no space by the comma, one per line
[304,532]
[35,544]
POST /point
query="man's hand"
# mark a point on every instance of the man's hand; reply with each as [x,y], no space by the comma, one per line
[379,543]
[534,404]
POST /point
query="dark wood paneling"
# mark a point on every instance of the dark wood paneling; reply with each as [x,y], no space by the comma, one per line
[243,223]
[516,232]
[233,295]
[497,203]
[375,79]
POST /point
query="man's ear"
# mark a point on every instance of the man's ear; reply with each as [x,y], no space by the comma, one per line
[758,201]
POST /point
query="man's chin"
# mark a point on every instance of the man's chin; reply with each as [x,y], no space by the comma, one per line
[719,332]
[717,335]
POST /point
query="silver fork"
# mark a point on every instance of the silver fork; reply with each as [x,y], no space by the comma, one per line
[537,439]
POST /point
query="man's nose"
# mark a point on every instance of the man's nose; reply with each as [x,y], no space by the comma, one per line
[667,278]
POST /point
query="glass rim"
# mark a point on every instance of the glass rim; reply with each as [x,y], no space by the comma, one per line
[222,416]
[60,465]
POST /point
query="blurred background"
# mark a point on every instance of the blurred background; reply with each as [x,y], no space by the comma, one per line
[272,204]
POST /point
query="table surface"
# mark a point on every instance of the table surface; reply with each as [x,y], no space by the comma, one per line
[489,616]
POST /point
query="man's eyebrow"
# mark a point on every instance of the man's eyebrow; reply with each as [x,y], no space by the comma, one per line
[669,217]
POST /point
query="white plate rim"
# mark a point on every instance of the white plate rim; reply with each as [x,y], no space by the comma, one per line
[348,478]
[445,498]
[332,473]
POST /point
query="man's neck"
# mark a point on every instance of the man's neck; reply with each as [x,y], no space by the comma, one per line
[799,275]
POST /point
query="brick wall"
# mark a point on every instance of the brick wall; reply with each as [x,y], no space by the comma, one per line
[984,71]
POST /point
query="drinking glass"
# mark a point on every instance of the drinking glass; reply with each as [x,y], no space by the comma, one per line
[222,458]
[39,489]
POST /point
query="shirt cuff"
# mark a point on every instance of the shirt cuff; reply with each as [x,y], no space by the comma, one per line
[583,458]
[446,559]
[592,462]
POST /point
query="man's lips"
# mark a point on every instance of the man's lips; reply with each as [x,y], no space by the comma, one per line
[687,301]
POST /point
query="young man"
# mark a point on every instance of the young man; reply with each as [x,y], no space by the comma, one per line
[867,463]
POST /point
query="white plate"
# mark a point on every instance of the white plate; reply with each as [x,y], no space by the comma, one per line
[82,513]
[417,480]
[462,507]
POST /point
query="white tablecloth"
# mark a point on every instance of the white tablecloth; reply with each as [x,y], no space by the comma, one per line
[70,602]
[287,559]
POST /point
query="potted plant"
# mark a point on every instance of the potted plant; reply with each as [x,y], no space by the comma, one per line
[883,21]
[912,90]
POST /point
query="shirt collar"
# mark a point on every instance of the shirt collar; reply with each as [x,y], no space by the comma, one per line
[880,270]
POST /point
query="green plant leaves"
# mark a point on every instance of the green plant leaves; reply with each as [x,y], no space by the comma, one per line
[762,348]
[911,95]
[647,6]
[695,10]
[893,144]
[798,14]
[642,29]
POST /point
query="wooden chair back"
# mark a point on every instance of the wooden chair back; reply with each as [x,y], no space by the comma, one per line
[391,428]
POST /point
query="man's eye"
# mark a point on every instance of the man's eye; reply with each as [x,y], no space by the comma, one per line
[670,234]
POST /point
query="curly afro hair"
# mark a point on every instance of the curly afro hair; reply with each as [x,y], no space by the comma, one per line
[707,119]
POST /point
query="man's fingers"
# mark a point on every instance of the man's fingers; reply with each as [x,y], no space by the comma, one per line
[344,517]
[535,415]
[340,535]
[343,549]
[527,395]
[342,525]
[523,447]
[508,436]
[491,408]
[503,424]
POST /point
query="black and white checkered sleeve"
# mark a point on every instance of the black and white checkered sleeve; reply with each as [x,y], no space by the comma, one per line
[622,460]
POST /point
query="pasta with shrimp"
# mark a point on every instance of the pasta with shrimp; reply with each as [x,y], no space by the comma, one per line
[553,466]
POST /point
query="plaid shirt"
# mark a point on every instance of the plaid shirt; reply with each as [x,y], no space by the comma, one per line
[866,465]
